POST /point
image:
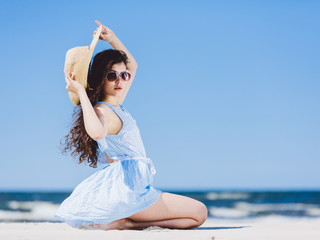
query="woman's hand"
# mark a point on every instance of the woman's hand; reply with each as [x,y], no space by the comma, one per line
[72,84]
[106,33]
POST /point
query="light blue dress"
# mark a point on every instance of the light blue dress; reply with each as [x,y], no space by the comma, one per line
[120,189]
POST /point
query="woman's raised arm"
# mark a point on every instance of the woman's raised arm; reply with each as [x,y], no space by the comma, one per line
[109,36]
[95,121]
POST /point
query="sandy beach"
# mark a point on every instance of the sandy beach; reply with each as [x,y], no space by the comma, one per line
[272,227]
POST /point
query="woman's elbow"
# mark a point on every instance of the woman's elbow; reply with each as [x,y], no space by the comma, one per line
[133,67]
[97,134]
[98,137]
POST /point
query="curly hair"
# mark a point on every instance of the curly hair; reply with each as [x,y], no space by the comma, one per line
[77,141]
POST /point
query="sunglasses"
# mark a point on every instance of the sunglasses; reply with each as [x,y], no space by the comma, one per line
[113,76]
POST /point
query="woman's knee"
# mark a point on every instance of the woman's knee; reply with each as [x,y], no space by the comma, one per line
[193,209]
[201,214]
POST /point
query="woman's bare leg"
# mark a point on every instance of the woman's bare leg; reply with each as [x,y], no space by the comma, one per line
[126,223]
[179,223]
[170,211]
[173,206]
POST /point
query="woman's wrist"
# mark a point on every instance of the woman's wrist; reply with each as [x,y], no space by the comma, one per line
[114,40]
[81,93]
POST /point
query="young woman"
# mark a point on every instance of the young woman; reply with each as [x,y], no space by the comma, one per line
[121,195]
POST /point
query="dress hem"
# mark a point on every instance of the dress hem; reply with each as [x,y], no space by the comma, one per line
[77,222]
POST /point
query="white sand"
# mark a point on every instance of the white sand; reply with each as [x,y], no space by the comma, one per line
[276,228]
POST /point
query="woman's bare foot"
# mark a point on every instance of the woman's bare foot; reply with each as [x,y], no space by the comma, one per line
[120,224]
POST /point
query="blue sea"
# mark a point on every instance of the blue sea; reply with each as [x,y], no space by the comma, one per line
[39,206]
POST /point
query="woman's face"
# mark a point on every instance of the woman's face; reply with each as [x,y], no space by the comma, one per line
[116,88]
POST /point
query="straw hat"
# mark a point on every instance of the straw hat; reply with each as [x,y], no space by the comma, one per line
[78,61]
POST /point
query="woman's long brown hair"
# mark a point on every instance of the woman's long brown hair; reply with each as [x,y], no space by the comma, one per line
[77,141]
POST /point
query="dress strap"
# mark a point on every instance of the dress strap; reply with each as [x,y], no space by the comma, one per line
[113,107]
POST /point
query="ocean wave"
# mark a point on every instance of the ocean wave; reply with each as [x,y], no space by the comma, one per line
[314,212]
[270,207]
[227,212]
[245,209]
[227,195]
[29,210]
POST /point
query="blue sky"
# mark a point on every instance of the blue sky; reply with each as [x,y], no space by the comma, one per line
[226,94]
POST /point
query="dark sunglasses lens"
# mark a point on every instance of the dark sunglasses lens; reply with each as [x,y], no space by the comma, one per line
[112,76]
[125,76]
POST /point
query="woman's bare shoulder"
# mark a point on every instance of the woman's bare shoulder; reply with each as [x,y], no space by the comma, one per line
[103,111]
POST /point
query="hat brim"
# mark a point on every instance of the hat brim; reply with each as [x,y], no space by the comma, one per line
[78,61]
